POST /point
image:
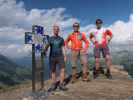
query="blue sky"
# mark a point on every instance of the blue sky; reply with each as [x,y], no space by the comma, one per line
[88,10]
[18,16]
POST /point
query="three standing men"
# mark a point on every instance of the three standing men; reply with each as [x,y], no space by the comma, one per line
[99,36]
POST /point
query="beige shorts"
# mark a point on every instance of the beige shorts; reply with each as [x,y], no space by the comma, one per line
[78,55]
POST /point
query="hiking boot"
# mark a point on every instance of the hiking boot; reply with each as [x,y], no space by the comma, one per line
[96,74]
[108,74]
[62,87]
[86,80]
[102,71]
[53,87]
[74,78]
[74,75]
[85,77]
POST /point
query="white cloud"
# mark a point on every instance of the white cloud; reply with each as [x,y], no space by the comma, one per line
[123,31]
[69,22]
[15,50]
[87,28]
[15,20]
[11,33]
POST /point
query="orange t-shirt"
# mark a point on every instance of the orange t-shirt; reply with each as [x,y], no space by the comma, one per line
[77,40]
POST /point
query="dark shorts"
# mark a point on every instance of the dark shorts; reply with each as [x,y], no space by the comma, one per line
[104,50]
[54,61]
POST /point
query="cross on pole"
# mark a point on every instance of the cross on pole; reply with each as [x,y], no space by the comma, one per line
[36,39]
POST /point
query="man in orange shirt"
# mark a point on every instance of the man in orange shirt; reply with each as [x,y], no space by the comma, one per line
[79,51]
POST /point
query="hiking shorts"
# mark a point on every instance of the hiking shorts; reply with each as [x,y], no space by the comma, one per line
[77,55]
[104,50]
[54,61]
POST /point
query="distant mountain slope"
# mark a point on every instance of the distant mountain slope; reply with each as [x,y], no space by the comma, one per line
[11,73]
[24,61]
[120,57]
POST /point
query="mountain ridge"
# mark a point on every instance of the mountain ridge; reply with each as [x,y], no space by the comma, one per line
[12,73]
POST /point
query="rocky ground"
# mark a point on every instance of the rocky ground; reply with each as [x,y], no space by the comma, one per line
[120,88]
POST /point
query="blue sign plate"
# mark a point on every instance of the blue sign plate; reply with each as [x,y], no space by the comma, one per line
[39,30]
[29,38]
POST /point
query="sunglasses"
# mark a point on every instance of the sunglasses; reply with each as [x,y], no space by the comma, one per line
[75,25]
[98,22]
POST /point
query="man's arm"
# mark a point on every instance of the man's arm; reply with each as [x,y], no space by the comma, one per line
[92,38]
[64,49]
[109,35]
[64,53]
[67,41]
[45,49]
[47,45]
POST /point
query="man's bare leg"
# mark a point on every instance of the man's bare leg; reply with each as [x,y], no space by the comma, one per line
[97,67]
[109,66]
[85,68]
[97,63]
[85,72]
[53,77]
[74,67]
[62,75]
[74,74]
[53,81]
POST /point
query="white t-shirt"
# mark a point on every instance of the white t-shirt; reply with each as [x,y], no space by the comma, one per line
[98,34]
